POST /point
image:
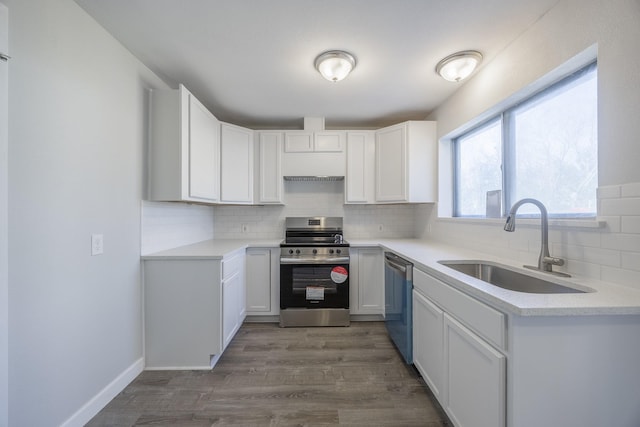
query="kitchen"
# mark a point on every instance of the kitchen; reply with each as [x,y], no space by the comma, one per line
[76,174]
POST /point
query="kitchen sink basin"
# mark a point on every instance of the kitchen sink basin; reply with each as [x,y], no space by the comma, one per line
[509,278]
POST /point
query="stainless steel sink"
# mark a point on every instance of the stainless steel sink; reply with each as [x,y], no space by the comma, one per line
[508,278]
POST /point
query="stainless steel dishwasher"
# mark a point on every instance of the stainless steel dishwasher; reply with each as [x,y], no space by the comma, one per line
[398,286]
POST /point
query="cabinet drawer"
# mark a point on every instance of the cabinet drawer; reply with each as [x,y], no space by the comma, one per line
[479,317]
[231,265]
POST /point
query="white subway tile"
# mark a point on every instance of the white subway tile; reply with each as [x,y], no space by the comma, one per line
[573,252]
[586,269]
[631,189]
[626,206]
[623,242]
[609,192]
[608,257]
[613,223]
[631,224]
[631,260]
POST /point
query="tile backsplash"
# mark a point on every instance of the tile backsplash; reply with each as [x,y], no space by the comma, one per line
[167,225]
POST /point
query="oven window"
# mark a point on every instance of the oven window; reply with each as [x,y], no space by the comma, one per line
[313,277]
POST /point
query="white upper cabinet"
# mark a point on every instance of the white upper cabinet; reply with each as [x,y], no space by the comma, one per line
[298,142]
[360,182]
[184,149]
[329,141]
[236,164]
[308,153]
[269,181]
[203,152]
[307,141]
[406,163]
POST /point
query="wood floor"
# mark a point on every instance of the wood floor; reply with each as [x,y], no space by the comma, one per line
[270,376]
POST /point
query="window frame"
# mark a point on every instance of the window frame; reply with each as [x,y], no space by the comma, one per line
[508,143]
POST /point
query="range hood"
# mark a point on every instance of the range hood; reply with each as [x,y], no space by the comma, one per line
[313,178]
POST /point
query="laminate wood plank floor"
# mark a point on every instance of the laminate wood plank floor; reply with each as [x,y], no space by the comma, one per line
[272,376]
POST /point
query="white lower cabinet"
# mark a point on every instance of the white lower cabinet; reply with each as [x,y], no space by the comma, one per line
[475,378]
[428,342]
[464,371]
[366,271]
[263,281]
[233,297]
[192,310]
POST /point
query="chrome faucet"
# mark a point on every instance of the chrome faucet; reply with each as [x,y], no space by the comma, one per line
[545,260]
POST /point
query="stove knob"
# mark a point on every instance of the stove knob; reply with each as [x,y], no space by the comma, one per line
[330,251]
[297,251]
[315,251]
[290,251]
[338,251]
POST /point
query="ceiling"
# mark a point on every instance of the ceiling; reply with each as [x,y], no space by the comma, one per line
[251,61]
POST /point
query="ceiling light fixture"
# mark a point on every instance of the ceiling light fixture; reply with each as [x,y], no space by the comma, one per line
[335,65]
[459,65]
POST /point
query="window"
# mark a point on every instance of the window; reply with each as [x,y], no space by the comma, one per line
[545,147]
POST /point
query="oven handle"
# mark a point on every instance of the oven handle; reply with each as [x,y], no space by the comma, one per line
[335,260]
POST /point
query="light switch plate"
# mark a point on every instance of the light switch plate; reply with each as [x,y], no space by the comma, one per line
[97,244]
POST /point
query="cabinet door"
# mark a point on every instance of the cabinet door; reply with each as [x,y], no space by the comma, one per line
[298,142]
[231,293]
[203,152]
[428,341]
[270,167]
[391,167]
[360,183]
[258,280]
[370,281]
[475,376]
[329,141]
[236,164]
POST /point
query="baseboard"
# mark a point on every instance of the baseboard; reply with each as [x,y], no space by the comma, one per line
[276,318]
[261,318]
[100,400]
[367,318]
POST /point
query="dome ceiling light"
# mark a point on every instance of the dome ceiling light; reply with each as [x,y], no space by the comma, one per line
[459,66]
[335,65]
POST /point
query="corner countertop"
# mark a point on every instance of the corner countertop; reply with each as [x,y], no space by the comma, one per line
[607,298]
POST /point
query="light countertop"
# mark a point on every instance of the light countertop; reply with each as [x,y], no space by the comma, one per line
[607,298]
[211,249]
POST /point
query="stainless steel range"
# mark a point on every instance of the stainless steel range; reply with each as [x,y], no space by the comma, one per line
[314,273]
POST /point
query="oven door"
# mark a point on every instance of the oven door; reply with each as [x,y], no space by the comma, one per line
[306,284]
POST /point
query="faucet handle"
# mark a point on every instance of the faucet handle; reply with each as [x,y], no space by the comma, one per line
[553,261]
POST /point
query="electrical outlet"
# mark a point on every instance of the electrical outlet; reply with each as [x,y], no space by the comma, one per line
[97,244]
[245,228]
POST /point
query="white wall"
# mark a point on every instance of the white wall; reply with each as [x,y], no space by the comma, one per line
[572,27]
[77,120]
[314,198]
[4,245]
